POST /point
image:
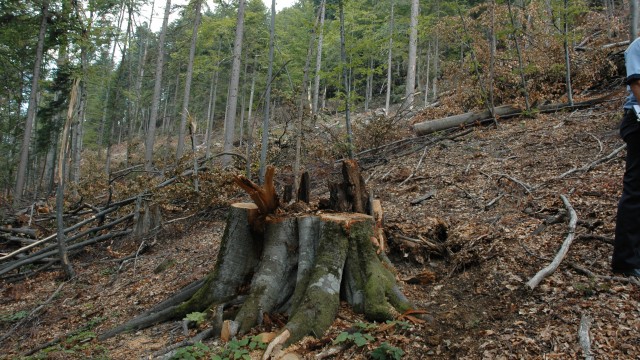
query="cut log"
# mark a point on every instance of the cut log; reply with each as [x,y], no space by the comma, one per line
[504,111]
[431,126]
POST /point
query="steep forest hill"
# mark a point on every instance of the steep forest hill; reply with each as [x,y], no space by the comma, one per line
[471,214]
[494,217]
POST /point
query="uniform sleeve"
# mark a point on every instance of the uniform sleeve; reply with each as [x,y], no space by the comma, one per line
[632,61]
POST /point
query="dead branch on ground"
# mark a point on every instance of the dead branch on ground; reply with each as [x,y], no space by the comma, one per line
[594,163]
[549,269]
[584,338]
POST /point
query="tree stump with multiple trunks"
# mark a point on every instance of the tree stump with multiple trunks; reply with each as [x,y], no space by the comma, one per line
[301,265]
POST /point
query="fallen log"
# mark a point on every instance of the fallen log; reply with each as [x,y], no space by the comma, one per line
[34,258]
[20,231]
[504,111]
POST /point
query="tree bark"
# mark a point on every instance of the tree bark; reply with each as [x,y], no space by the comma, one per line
[211,116]
[153,117]
[31,110]
[389,59]
[267,96]
[232,99]
[633,19]
[316,81]
[187,84]
[301,265]
[413,50]
[347,91]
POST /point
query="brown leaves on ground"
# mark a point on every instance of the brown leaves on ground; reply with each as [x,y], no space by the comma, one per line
[474,245]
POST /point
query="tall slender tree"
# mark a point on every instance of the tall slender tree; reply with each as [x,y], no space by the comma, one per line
[31,110]
[137,107]
[232,98]
[413,51]
[267,96]
[389,59]
[633,19]
[62,161]
[567,58]
[187,85]
[316,80]
[347,91]
[153,117]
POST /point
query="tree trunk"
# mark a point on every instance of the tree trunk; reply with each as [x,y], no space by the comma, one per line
[267,96]
[389,59]
[426,84]
[347,92]
[301,265]
[243,102]
[153,117]
[492,61]
[567,59]
[232,99]
[62,161]
[413,50]
[31,110]
[436,56]
[210,119]
[187,83]
[633,19]
[301,105]
[316,81]
[523,79]
[137,109]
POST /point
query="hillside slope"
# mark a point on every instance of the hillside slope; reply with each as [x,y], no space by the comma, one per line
[463,253]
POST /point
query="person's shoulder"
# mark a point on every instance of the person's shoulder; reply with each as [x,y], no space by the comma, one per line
[634,46]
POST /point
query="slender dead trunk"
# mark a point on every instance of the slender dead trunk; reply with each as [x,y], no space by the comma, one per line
[187,83]
[31,110]
[62,160]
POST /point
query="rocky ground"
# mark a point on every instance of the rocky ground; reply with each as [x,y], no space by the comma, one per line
[470,218]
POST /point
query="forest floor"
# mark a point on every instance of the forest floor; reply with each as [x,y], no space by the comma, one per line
[493,218]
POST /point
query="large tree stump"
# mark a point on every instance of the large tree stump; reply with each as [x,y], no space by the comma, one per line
[299,265]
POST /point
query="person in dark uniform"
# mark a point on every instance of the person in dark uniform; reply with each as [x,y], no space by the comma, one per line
[626,248]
